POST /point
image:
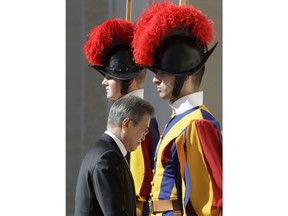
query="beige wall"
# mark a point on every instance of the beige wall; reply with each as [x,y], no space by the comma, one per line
[86,103]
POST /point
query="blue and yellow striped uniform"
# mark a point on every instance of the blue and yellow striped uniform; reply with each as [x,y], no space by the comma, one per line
[188,163]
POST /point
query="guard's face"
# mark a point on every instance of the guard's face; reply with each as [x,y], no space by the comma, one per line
[164,83]
[112,87]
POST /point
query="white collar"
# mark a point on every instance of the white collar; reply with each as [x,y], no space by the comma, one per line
[138,92]
[118,142]
[187,102]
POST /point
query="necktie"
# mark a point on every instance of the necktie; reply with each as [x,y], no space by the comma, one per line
[127,157]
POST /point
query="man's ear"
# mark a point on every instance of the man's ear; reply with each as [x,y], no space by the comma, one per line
[125,123]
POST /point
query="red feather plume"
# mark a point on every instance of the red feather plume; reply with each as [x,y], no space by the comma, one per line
[103,36]
[163,18]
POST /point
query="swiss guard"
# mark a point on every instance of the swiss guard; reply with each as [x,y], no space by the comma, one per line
[172,41]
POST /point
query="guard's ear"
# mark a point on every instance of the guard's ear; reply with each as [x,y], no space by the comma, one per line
[131,81]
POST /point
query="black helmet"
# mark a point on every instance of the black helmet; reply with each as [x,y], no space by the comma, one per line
[180,55]
[118,63]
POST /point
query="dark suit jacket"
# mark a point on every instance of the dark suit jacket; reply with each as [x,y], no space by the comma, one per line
[105,185]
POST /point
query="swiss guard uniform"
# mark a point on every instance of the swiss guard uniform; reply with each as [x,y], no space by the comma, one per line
[188,160]
[108,50]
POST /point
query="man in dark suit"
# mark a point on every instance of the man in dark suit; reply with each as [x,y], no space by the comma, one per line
[105,185]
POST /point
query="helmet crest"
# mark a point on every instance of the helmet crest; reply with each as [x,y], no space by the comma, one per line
[163,19]
[104,36]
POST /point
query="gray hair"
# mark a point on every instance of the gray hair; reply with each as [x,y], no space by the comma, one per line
[129,106]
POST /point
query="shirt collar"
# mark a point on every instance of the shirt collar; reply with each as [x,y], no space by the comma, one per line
[187,102]
[118,142]
[138,92]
